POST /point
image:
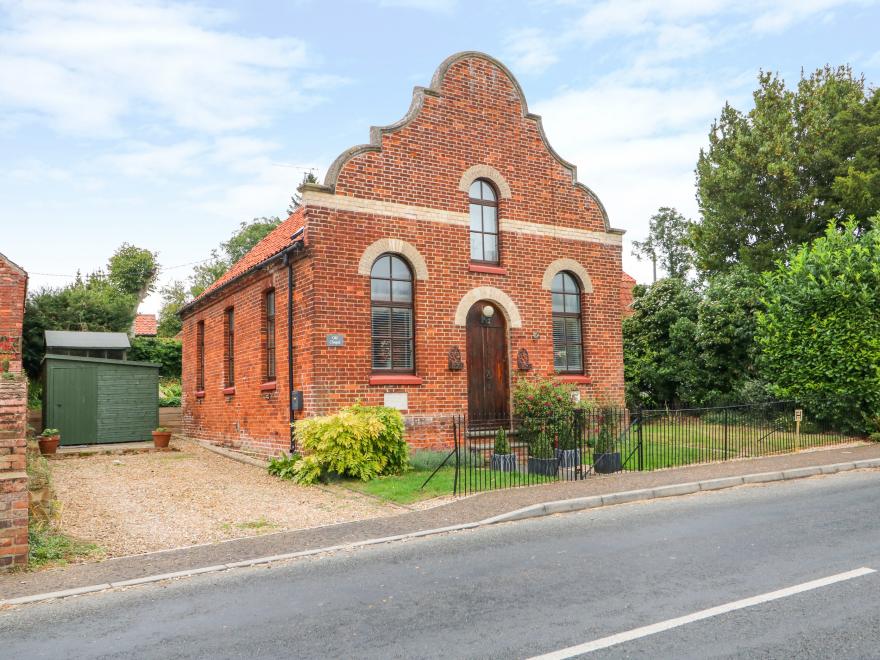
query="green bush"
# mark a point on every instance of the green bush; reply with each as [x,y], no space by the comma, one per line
[363,442]
[819,334]
[170,391]
[284,466]
[502,446]
[609,429]
[536,400]
[541,447]
[428,460]
[160,350]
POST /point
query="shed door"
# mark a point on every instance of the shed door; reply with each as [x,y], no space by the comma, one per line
[73,398]
[488,388]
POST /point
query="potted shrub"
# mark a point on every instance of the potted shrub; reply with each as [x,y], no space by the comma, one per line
[503,459]
[49,440]
[568,453]
[161,437]
[541,456]
[605,459]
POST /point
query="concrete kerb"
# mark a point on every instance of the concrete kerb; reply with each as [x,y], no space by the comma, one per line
[533,511]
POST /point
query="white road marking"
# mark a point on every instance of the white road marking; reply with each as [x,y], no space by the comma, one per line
[661,626]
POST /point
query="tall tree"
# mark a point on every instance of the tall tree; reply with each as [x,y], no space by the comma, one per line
[174,296]
[667,244]
[133,270]
[239,244]
[857,182]
[766,183]
[659,345]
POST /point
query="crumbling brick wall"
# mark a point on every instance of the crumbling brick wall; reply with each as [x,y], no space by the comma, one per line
[13,419]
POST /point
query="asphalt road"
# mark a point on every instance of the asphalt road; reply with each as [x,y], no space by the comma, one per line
[522,589]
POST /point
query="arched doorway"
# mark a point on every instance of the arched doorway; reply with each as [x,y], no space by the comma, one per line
[487,369]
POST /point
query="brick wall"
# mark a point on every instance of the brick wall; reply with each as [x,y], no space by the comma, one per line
[475,116]
[253,415]
[13,419]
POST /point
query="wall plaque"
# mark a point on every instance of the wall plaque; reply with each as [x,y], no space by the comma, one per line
[335,340]
[454,357]
[398,400]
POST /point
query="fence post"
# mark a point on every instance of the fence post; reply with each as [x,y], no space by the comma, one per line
[641,419]
[725,434]
[455,441]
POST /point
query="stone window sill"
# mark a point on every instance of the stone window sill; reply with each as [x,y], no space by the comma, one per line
[200,394]
[574,378]
[268,387]
[229,391]
[486,268]
[395,379]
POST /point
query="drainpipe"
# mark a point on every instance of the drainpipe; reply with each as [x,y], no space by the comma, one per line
[288,261]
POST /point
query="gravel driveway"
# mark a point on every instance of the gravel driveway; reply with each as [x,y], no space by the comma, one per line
[154,501]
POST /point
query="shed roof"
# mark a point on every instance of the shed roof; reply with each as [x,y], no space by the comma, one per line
[94,340]
[116,363]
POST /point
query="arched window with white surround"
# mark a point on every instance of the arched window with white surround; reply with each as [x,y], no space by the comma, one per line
[568,352]
[391,302]
[484,222]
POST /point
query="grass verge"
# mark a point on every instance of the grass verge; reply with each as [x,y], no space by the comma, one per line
[49,547]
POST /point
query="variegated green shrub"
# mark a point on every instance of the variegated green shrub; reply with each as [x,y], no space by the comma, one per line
[363,442]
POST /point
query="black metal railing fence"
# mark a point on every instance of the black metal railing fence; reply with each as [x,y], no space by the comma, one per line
[510,452]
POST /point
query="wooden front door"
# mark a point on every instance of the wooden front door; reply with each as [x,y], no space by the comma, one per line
[488,385]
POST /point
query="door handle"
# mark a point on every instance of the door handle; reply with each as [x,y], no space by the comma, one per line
[488,374]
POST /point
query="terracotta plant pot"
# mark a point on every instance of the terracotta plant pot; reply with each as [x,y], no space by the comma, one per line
[161,439]
[49,443]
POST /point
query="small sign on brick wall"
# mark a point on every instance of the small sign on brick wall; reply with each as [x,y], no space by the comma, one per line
[398,400]
[335,340]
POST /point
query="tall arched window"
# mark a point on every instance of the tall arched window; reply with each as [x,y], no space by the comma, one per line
[484,222]
[391,296]
[568,353]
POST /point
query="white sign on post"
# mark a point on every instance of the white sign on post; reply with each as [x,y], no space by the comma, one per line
[798,415]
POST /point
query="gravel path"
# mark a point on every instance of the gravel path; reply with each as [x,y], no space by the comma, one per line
[138,503]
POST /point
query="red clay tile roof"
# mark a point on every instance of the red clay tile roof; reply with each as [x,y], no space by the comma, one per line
[275,242]
[145,325]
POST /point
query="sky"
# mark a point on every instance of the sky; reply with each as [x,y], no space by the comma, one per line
[167,124]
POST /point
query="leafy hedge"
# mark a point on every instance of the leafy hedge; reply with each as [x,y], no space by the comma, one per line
[170,393]
[363,442]
[162,350]
[820,333]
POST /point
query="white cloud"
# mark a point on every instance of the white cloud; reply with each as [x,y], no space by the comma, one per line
[86,65]
[635,146]
[443,6]
[172,161]
[530,50]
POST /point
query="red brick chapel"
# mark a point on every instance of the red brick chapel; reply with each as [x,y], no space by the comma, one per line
[453,254]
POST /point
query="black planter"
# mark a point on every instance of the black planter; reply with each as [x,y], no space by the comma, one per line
[504,462]
[568,457]
[543,466]
[607,463]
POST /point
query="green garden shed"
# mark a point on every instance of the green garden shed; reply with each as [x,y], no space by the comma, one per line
[100,400]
